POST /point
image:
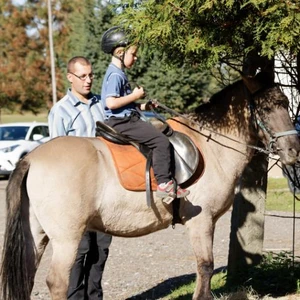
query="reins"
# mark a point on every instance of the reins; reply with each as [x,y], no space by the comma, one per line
[266,151]
[295,184]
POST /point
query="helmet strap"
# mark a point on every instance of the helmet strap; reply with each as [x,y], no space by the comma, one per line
[121,59]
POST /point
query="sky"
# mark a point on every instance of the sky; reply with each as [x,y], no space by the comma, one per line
[18,2]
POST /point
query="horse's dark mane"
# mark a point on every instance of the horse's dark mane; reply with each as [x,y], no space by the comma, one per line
[217,97]
[265,80]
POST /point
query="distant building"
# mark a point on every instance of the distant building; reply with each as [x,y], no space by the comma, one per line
[286,75]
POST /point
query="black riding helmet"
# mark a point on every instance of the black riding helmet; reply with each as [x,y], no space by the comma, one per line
[113,38]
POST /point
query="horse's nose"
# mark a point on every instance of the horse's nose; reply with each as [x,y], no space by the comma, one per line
[294,155]
[291,156]
[296,151]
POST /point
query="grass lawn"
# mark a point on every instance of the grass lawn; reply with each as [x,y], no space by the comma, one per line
[279,196]
[26,117]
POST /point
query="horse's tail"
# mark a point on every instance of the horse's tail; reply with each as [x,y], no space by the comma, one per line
[15,283]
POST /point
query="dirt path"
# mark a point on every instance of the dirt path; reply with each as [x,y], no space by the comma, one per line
[148,266]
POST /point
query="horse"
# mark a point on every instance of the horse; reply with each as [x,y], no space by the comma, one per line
[69,185]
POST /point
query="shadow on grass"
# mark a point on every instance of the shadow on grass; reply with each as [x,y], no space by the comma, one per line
[165,288]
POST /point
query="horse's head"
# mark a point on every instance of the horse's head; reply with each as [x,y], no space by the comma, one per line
[269,107]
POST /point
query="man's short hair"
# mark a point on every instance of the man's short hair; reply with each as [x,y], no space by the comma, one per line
[80,59]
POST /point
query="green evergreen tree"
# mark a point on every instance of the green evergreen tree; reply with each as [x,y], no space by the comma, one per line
[208,32]
[179,88]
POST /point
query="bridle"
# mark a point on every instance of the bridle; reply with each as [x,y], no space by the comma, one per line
[257,121]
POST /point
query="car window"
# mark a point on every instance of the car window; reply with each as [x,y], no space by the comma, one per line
[46,131]
[13,133]
[36,130]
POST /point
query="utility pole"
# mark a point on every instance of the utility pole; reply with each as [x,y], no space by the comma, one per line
[54,97]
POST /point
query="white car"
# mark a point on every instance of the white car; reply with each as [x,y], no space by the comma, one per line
[17,139]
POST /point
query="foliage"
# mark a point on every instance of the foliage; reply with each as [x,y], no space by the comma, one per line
[24,42]
[17,78]
[276,275]
[77,30]
[25,65]
[181,88]
[208,32]
[278,28]
[87,25]
[180,41]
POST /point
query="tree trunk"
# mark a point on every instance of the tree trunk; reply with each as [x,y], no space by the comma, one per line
[247,221]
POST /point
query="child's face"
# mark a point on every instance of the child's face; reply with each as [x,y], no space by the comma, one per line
[130,56]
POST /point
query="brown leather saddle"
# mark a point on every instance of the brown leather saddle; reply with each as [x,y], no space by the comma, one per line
[133,161]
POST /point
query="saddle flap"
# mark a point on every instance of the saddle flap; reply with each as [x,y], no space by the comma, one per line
[185,155]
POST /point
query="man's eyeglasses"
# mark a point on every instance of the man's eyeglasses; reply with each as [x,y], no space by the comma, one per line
[84,77]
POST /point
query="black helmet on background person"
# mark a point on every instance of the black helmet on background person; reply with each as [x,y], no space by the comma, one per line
[113,38]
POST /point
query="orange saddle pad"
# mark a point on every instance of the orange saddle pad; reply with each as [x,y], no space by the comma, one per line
[130,164]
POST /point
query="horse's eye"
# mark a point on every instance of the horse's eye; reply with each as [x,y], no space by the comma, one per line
[267,109]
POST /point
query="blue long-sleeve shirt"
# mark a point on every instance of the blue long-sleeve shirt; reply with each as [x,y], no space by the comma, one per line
[70,116]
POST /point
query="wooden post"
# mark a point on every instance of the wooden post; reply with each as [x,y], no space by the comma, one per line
[52,60]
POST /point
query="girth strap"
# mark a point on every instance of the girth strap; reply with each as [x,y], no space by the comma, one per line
[148,178]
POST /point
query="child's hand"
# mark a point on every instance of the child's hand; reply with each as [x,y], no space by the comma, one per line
[153,103]
[139,93]
[149,105]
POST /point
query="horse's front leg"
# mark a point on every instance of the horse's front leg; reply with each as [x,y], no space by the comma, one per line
[201,236]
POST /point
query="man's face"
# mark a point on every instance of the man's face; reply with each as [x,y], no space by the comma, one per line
[81,79]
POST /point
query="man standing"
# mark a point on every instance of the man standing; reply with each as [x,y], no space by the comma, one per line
[76,114]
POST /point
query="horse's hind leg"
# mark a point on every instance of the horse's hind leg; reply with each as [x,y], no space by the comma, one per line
[39,239]
[64,253]
[201,237]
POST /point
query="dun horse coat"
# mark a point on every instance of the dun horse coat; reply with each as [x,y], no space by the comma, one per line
[69,185]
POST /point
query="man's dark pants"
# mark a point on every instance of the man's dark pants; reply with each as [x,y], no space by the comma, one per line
[87,271]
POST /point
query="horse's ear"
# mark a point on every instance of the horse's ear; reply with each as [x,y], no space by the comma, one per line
[261,80]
